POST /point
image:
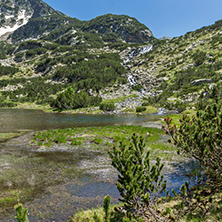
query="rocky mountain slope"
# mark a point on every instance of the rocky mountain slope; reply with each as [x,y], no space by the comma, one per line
[17,13]
[52,57]
[33,19]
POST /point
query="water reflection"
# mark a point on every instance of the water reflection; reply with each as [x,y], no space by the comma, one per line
[12,120]
[84,192]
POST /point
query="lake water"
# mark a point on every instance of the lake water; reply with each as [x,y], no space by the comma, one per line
[67,198]
[12,120]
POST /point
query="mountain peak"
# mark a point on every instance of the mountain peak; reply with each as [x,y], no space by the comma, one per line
[32,19]
[129,28]
[16,13]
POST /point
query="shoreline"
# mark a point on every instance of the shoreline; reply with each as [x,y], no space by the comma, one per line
[90,160]
[85,111]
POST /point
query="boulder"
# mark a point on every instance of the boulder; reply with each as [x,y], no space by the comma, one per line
[198,82]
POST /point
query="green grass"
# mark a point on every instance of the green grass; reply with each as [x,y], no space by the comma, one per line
[119,99]
[103,138]
[170,203]
[150,109]
[87,215]
[5,136]
[176,117]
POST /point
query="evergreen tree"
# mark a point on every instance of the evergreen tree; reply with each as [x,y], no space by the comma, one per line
[200,137]
[139,182]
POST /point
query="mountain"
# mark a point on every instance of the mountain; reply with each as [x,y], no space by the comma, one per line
[50,57]
[17,13]
[128,28]
[181,69]
[34,19]
[165,37]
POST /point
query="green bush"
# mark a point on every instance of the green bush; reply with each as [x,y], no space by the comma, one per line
[21,213]
[199,57]
[178,106]
[137,87]
[35,52]
[95,73]
[70,100]
[8,70]
[145,104]
[107,106]
[140,109]
[200,137]
[139,182]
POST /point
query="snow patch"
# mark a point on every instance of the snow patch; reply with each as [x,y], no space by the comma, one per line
[9,16]
[21,17]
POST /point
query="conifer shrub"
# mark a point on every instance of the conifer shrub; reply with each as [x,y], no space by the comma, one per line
[21,213]
[140,109]
[8,70]
[107,106]
[137,87]
[200,137]
[178,106]
[71,100]
[139,183]
[199,57]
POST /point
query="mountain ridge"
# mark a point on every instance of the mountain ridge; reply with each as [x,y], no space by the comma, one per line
[100,58]
[16,13]
[29,19]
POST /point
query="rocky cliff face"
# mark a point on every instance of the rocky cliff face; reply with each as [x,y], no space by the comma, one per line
[32,19]
[17,13]
[128,28]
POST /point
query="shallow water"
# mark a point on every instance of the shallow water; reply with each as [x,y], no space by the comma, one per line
[97,177]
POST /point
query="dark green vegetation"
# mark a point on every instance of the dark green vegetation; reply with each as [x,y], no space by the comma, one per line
[129,30]
[88,55]
[30,91]
[93,74]
[21,213]
[102,137]
[7,70]
[107,106]
[82,72]
[210,96]
[140,109]
[5,49]
[70,100]
[181,62]
[68,53]
[199,137]
[139,182]
[73,62]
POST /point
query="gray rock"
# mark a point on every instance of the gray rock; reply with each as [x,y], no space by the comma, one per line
[198,82]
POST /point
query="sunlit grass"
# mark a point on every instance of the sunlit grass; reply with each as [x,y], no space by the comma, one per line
[104,137]
[22,177]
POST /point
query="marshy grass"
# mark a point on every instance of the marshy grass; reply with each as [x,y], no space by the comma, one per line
[6,136]
[102,138]
[27,174]
[87,215]
[24,176]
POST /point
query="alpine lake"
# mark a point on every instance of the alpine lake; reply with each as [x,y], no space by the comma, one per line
[54,178]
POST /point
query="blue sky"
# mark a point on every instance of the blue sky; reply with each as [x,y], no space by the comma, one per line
[163,17]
